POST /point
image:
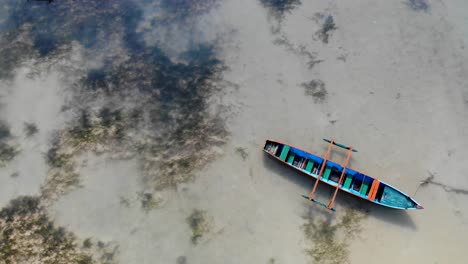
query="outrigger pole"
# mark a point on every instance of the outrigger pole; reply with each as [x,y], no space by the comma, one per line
[322,168]
[325,159]
[332,202]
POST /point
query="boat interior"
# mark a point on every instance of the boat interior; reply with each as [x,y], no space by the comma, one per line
[353,181]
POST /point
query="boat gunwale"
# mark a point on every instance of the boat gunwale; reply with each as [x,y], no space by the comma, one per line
[334,185]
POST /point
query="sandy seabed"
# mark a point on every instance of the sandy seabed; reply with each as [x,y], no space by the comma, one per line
[390,80]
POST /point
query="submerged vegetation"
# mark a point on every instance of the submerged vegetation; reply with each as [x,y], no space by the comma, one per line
[199,222]
[62,174]
[326,248]
[329,239]
[166,125]
[418,5]
[327,27]
[27,235]
[182,9]
[316,89]
[30,129]
[149,201]
[164,116]
[242,152]
[128,99]
[181,260]
[280,7]
[7,150]
[15,48]
[299,50]
[7,153]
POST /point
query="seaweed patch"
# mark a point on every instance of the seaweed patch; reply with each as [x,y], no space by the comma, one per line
[200,223]
[280,7]
[15,48]
[183,9]
[89,22]
[149,201]
[28,236]
[181,260]
[8,151]
[242,153]
[173,97]
[165,122]
[316,89]
[91,131]
[134,101]
[329,238]
[30,129]
[300,50]
[328,26]
[418,5]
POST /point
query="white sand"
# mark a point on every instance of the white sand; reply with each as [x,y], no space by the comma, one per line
[37,101]
[400,97]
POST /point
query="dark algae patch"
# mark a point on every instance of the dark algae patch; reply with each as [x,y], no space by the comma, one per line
[326,248]
[328,26]
[329,238]
[15,48]
[149,201]
[62,175]
[280,7]
[7,150]
[135,102]
[172,102]
[88,22]
[242,152]
[28,235]
[418,5]
[30,129]
[181,260]
[138,103]
[7,153]
[299,50]
[183,9]
[20,207]
[199,222]
[316,89]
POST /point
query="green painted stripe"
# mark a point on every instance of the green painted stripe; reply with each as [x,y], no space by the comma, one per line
[291,158]
[310,165]
[284,153]
[348,180]
[327,173]
[364,188]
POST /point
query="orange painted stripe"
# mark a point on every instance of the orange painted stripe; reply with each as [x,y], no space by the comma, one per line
[377,183]
[375,188]
[371,191]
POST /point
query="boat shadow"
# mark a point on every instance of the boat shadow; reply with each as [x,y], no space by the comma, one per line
[343,200]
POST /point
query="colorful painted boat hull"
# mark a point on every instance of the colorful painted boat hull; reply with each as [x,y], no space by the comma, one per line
[354,182]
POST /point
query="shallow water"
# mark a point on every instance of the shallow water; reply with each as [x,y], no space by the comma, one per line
[148,111]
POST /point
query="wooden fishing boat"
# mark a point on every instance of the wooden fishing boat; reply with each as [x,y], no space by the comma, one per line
[339,176]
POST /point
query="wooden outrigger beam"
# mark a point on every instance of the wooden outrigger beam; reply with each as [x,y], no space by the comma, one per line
[325,159]
[324,164]
[332,202]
